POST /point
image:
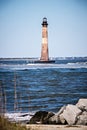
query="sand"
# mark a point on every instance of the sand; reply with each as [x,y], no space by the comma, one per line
[55,127]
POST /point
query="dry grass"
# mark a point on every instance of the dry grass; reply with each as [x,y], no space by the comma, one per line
[7,125]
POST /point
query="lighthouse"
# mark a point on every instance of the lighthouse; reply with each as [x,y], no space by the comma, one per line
[44,46]
[44,49]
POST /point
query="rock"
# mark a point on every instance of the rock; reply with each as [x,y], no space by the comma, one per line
[41,117]
[46,119]
[82,104]
[56,118]
[70,114]
[82,119]
[61,110]
[62,120]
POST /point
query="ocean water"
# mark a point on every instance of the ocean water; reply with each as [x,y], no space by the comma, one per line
[42,86]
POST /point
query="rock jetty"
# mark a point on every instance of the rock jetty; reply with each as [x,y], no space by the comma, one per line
[69,115]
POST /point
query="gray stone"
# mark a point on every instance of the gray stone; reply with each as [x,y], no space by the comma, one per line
[82,119]
[46,119]
[62,120]
[70,114]
[41,117]
[82,104]
[61,110]
[56,119]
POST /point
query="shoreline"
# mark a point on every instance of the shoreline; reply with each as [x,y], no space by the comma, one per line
[70,117]
[67,115]
[55,127]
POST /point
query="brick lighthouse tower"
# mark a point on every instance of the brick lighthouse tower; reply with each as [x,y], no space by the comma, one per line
[44,50]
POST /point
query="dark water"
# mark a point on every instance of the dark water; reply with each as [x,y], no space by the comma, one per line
[43,86]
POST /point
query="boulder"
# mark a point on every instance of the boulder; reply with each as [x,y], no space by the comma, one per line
[62,120]
[82,119]
[82,104]
[46,119]
[70,114]
[61,110]
[56,119]
[41,117]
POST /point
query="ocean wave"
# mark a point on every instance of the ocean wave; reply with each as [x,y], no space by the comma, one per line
[77,63]
[29,66]
[19,117]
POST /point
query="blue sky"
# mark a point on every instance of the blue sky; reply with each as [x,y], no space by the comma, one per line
[21,30]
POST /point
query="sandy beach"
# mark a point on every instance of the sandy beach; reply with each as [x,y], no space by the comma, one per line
[56,127]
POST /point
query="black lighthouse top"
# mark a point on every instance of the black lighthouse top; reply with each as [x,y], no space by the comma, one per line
[44,23]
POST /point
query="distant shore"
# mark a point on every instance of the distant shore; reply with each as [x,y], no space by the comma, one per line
[59,58]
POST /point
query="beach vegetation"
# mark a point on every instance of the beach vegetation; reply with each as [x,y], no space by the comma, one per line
[7,125]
